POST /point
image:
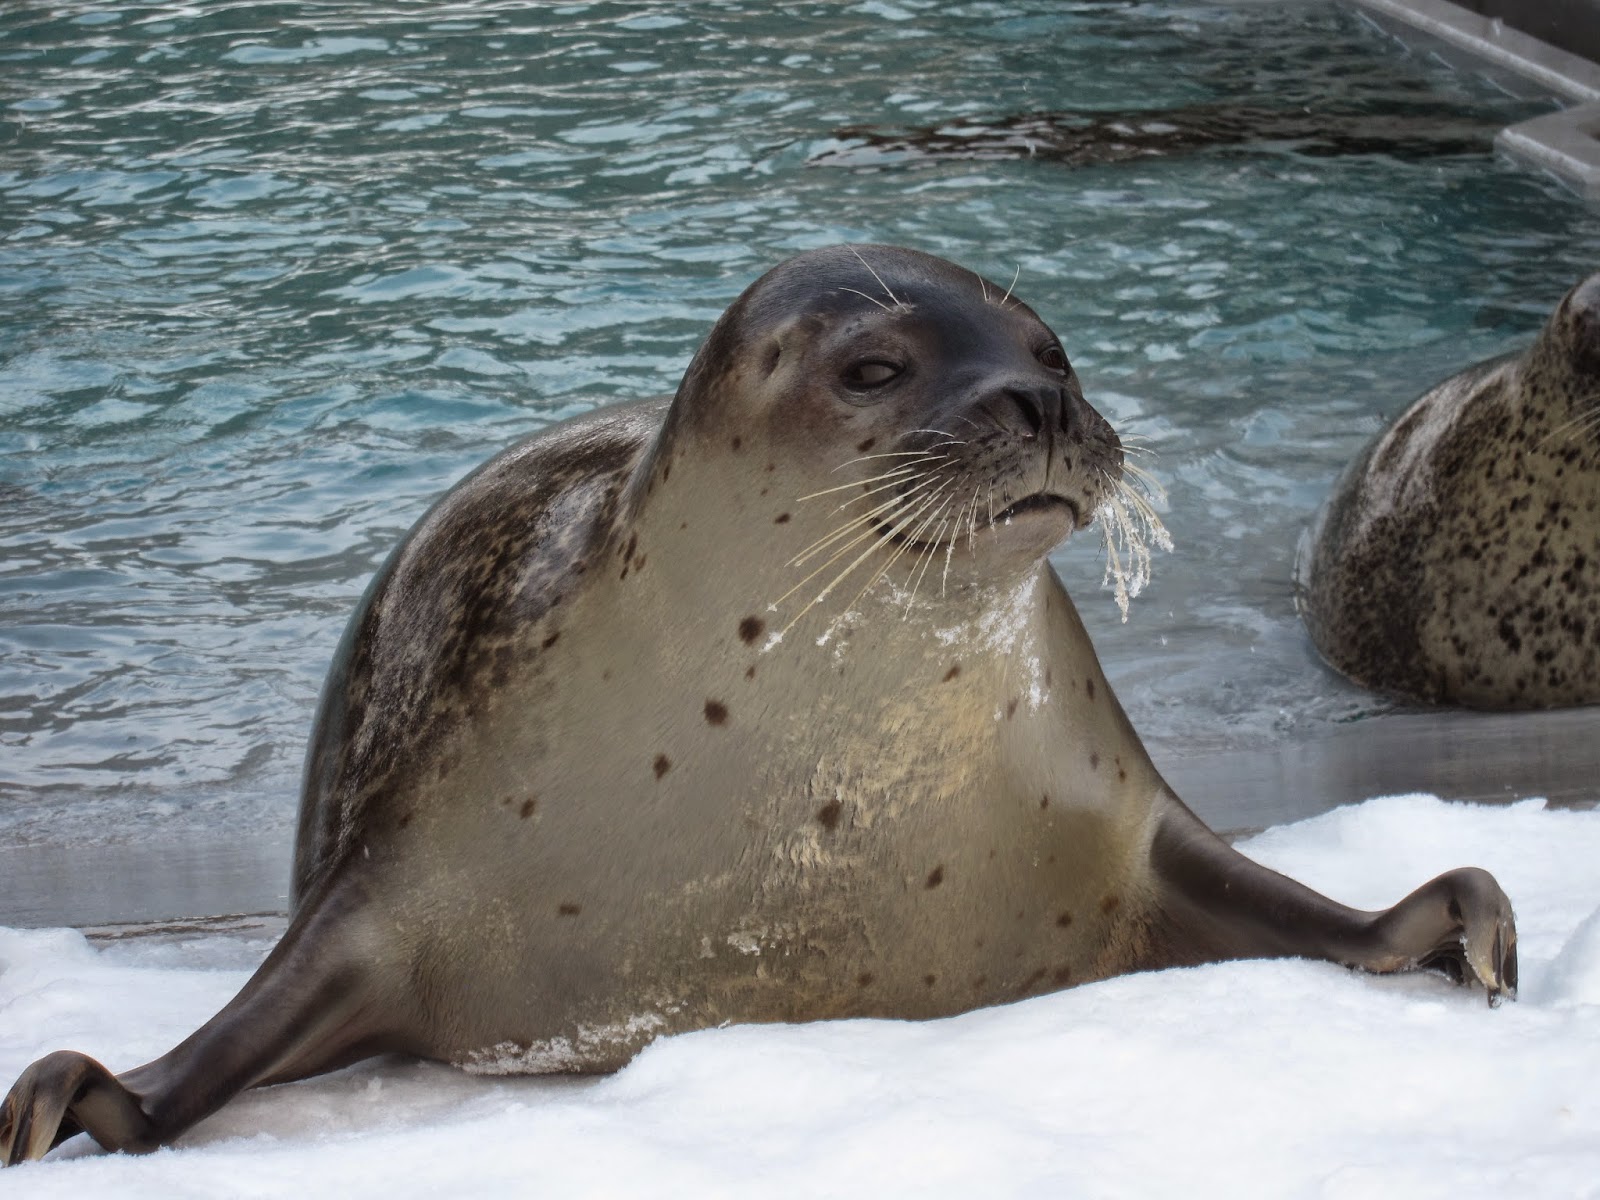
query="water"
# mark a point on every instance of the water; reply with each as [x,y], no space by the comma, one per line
[274,275]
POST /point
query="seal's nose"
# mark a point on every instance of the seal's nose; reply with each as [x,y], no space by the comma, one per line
[1040,407]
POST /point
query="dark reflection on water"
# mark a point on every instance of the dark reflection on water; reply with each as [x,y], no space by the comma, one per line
[273,275]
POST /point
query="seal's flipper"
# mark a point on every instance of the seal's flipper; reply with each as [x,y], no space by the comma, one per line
[306,1010]
[1215,904]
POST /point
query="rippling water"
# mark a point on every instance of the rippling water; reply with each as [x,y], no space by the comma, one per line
[274,275]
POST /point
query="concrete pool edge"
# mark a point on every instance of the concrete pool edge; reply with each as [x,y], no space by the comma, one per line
[1565,143]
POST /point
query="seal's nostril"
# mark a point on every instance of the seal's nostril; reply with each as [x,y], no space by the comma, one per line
[1029,405]
[1070,410]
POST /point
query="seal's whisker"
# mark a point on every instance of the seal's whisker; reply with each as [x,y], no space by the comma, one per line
[930,548]
[898,303]
[1149,482]
[972,516]
[888,454]
[878,538]
[873,533]
[885,486]
[907,540]
[1016,275]
[949,552]
[1579,424]
[1131,534]
[983,287]
[905,469]
[872,517]
[864,296]
[944,433]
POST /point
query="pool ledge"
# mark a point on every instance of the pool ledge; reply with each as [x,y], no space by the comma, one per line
[1566,143]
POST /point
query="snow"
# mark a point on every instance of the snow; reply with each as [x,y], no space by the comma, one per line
[1269,1079]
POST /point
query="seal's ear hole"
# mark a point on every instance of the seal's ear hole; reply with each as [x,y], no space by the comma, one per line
[774,353]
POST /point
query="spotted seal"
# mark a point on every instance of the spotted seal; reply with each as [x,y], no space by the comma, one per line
[761,705]
[1457,560]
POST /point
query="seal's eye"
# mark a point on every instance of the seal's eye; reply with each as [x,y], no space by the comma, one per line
[870,373]
[1053,358]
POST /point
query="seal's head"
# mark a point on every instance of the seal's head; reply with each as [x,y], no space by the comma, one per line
[1561,371]
[898,408]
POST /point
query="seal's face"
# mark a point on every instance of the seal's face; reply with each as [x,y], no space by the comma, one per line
[920,401]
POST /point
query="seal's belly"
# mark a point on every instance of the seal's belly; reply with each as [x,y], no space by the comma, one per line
[933,918]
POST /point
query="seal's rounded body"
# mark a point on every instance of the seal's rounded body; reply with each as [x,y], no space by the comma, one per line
[762,706]
[1458,558]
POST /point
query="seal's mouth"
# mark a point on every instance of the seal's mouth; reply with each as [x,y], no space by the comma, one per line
[1040,502]
[1047,504]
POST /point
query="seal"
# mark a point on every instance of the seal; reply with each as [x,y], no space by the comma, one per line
[1457,560]
[764,705]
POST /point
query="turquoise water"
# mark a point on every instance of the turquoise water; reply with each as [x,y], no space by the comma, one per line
[274,275]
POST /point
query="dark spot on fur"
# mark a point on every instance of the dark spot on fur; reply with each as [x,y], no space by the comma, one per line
[1011,709]
[405,820]
[782,519]
[749,672]
[1044,800]
[716,712]
[666,472]
[828,814]
[638,563]
[1062,976]
[951,673]
[527,808]
[1094,760]
[935,876]
[863,447]
[1047,677]
[568,910]
[1088,686]
[929,980]
[864,979]
[605,675]
[551,640]
[633,544]
[662,765]
[1110,903]
[1064,920]
[737,442]
[624,574]
[751,628]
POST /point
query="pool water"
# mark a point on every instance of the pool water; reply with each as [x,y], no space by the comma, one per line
[274,275]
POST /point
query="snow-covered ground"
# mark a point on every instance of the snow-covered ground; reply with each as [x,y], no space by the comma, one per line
[1269,1079]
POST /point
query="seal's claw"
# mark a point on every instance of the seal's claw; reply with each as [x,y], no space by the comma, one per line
[60,1095]
[1460,925]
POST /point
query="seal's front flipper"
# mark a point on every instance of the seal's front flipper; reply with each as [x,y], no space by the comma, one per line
[306,1010]
[1460,925]
[1213,903]
[60,1095]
